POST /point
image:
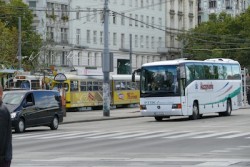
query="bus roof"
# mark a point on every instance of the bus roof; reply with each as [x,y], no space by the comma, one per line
[179,61]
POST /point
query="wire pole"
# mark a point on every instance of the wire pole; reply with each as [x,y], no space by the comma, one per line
[130,52]
[106,63]
[19,44]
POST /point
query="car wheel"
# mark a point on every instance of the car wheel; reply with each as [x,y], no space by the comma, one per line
[54,124]
[20,127]
[195,114]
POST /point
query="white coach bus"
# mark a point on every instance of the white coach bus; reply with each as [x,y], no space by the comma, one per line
[189,88]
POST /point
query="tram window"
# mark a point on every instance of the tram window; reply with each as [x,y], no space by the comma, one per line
[95,86]
[73,86]
[123,85]
[133,85]
[137,85]
[117,85]
[100,86]
[89,86]
[83,86]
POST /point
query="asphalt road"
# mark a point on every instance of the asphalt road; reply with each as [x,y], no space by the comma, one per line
[139,142]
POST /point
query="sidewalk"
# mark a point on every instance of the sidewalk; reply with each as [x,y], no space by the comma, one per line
[97,115]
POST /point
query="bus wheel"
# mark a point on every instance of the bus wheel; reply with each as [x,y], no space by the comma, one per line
[229,109]
[158,118]
[195,114]
[20,127]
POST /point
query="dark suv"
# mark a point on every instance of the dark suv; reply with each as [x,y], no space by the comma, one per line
[31,108]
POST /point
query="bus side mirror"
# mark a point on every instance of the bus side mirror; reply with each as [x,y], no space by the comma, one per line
[133,74]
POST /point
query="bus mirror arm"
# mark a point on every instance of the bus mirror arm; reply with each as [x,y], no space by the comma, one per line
[133,74]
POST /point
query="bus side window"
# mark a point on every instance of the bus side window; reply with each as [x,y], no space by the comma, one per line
[220,72]
[216,72]
[199,71]
[83,86]
[190,73]
[236,71]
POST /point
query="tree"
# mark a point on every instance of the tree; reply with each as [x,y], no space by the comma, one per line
[222,36]
[8,45]
[31,41]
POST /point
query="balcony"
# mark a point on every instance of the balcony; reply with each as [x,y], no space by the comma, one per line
[190,15]
[180,13]
[162,50]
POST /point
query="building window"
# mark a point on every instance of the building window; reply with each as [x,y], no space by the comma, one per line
[147,4]
[142,5]
[142,41]
[114,18]
[79,58]
[147,41]
[77,14]
[130,19]
[95,37]
[160,5]
[136,41]
[180,22]
[142,21]
[122,41]
[160,42]
[89,58]
[136,3]
[32,4]
[153,22]
[180,5]
[153,42]
[228,4]
[101,37]
[153,4]
[160,22]
[95,15]
[212,3]
[130,3]
[78,36]
[50,33]
[88,15]
[136,20]
[147,21]
[95,59]
[64,35]
[122,18]
[114,39]
[172,41]
[88,36]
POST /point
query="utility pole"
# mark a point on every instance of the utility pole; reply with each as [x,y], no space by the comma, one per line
[130,52]
[19,43]
[106,63]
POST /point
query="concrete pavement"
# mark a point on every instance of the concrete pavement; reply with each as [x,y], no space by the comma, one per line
[97,115]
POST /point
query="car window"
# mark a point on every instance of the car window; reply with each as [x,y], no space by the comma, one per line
[41,99]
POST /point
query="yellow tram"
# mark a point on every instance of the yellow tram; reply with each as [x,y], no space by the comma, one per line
[82,91]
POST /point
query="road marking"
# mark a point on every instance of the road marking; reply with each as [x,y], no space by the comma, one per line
[234,135]
[185,135]
[213,134]
[112,135]
[162,134]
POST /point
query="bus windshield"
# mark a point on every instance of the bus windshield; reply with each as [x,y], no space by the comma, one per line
[159,81]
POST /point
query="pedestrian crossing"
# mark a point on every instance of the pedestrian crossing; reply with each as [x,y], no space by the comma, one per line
[61,135]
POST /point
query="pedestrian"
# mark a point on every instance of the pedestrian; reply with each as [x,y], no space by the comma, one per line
[5,134]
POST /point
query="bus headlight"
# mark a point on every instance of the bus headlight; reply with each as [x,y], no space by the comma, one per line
[143,107]
[13,115]
[176,106]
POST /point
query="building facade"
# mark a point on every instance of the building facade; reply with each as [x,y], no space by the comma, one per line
[73,32]
[232,7]
[181,15]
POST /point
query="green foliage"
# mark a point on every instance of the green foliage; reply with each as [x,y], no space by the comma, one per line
[31,41]
[222,36]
